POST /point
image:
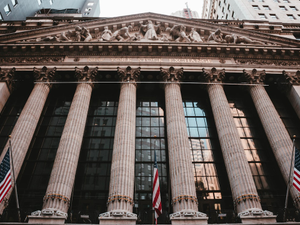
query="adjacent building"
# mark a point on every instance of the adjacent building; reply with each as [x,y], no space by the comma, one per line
[87,102]
[18,10]
[286,11]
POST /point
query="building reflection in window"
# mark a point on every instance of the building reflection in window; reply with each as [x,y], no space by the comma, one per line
[150,122]
[93,172]
[257,150]
[33,181]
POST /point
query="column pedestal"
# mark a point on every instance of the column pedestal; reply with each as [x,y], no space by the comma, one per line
[46,219]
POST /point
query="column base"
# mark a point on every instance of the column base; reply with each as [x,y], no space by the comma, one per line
[47,216]
[188,217]
[257,216]
[46,220]
[117,217]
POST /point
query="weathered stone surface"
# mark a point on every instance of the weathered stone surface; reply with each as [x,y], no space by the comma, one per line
[121,189]
[24,129]
[180,163]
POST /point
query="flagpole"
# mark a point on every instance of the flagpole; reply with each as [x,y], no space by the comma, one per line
[13,174]
[153,209]
[289,181]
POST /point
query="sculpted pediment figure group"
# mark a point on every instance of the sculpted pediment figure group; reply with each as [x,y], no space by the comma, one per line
[145,32]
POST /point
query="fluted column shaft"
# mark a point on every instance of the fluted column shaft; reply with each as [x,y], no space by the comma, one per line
[243,189]
[25,127]
[180,162]
[121,187]
[4,94]
[276,132]
[294,97]
[64,169]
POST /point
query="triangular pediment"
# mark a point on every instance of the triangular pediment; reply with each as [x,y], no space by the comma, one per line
[147,27]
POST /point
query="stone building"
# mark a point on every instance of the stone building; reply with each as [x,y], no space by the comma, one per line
[87,102]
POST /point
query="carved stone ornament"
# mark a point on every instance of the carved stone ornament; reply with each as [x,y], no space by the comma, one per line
[8,77]
[267,62]
[128,74]
[150,30]
[44,74]
[255,212]
[254,77]
[50,212]
[214,75]
[86,74]
[292,78]
[145,31]
[118,214]
[31,59]
[187,213]
[172,75]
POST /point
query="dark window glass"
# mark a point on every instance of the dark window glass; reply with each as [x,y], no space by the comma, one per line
[93,172]
[257,149]
[36,170]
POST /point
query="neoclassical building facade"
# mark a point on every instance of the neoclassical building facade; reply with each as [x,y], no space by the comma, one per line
[87,103]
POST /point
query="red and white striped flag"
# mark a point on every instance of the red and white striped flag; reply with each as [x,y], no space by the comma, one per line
[5,176]
[156,200]
[296,180]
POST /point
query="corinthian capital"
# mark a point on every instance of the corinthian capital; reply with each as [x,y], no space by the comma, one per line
[129,74]
[292,78]
[254,77]
[44,75]
[172,74]
[86,74]
[213,75]
[8,77]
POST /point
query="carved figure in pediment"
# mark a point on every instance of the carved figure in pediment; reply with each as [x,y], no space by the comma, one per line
[63,36]
[136,37]
[150,30]
[106,34]
[48,38]
[235,39]
[195,36]
[216,36]
[164,37]
[178,34]
[121,34]
[82,34]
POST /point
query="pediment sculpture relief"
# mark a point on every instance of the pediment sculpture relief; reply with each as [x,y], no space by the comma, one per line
[145,32]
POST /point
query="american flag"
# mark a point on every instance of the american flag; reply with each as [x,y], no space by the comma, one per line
[5,176]
[156,200]
[296,180]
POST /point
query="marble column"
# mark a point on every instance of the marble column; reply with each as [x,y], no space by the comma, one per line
[6,85]
[57,198]
[275,130]
[184,198]
[23,131]
[121,188]
[243,189]
[292,89]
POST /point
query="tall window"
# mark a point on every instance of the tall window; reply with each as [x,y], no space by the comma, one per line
[210,176]
[150,122]
[265,171]
[94,166]
[34,177]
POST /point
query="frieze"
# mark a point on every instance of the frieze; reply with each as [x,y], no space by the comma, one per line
[267,62]
[31,59]
[149,60]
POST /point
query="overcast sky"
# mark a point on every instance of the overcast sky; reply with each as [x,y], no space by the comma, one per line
[112,8]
